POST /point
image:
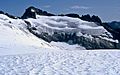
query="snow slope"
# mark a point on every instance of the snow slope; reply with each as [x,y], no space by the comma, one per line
[16,39]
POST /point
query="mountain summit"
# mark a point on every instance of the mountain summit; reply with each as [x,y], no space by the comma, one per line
[32,11]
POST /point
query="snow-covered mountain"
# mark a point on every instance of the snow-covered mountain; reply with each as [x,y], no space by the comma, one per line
[50,27]
[63,29]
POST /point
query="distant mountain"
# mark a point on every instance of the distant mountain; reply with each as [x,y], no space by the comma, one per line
[114,28]
[114,25]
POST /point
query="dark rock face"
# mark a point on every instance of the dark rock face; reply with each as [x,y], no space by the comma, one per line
[113,28]
[73,15]
[91,19]
[32,11]
[1,12]
[95,43]
[29,13]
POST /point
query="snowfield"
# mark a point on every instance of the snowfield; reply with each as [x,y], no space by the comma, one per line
[22,53]
[56,62]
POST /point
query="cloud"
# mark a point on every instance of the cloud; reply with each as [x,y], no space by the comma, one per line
[47,6]
[79,7]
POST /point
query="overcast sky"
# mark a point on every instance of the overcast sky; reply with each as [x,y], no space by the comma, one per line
[108,10]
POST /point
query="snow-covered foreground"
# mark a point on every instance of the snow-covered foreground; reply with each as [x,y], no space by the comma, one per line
[55,62]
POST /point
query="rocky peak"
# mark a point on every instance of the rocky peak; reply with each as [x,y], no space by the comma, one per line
[32,11]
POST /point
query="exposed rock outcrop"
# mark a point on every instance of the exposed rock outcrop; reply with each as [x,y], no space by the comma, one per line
[32,11]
